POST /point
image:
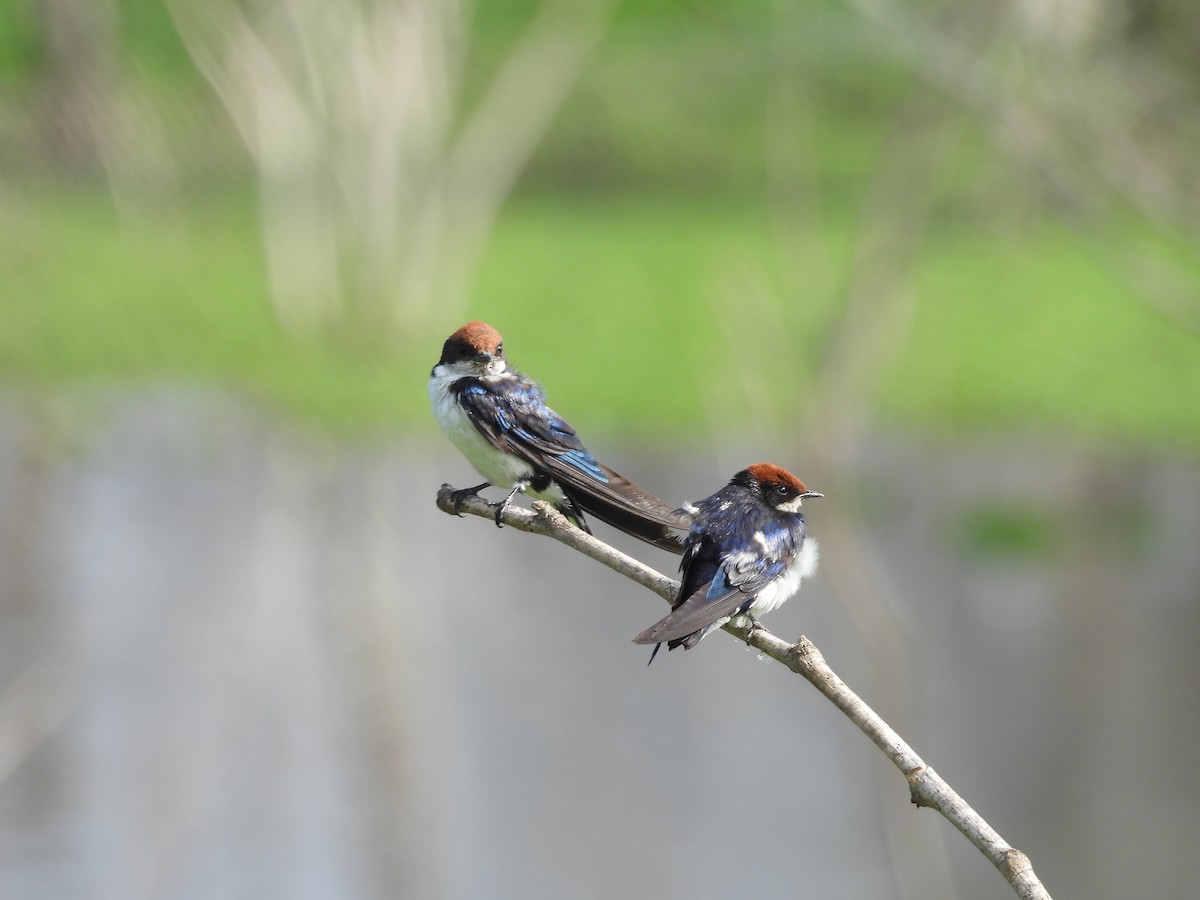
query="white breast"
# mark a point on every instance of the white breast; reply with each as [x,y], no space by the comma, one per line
[782,588]
[499,468]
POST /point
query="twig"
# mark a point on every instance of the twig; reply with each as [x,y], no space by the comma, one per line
[926,787]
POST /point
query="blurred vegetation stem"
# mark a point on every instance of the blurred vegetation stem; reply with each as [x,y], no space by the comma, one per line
[377,191]
[926,787]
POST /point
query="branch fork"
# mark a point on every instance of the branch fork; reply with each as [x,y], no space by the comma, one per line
[927,789]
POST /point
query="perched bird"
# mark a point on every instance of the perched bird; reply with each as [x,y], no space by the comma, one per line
[499,420]
[745,554]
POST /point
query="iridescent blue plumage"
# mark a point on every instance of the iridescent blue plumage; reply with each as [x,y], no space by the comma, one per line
[499,420]
[745,553]
[513,411]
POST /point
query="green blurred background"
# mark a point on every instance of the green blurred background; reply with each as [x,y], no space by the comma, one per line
[994,204]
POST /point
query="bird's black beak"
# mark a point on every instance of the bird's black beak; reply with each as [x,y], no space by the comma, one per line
[812,494]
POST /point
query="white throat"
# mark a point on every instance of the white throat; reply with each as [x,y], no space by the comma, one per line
[791,506]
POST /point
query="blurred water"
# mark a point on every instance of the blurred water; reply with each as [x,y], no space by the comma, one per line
[237,660]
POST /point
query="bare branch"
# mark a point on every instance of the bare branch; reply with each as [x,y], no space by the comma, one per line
[548,521]
[926,787]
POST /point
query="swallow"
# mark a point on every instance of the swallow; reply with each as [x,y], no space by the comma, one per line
[746,552]
[498,419]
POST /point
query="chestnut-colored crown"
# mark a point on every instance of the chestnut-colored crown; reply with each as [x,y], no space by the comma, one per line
[473,340]
[479,335]
[769,473]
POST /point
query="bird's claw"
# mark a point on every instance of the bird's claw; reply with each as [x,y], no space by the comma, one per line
[504,503]
[457,497]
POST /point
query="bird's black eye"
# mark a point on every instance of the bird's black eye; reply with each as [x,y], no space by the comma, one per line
[781,490]
[500,349]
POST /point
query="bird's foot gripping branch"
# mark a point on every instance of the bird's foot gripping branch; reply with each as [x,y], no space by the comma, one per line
[926,787]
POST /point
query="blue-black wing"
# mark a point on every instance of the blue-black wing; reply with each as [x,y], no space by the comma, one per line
[513,417]
[517,420]
[721,579]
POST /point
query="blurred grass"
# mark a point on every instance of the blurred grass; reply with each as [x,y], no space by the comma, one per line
[644,218]
[1043,327]
[609,301]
